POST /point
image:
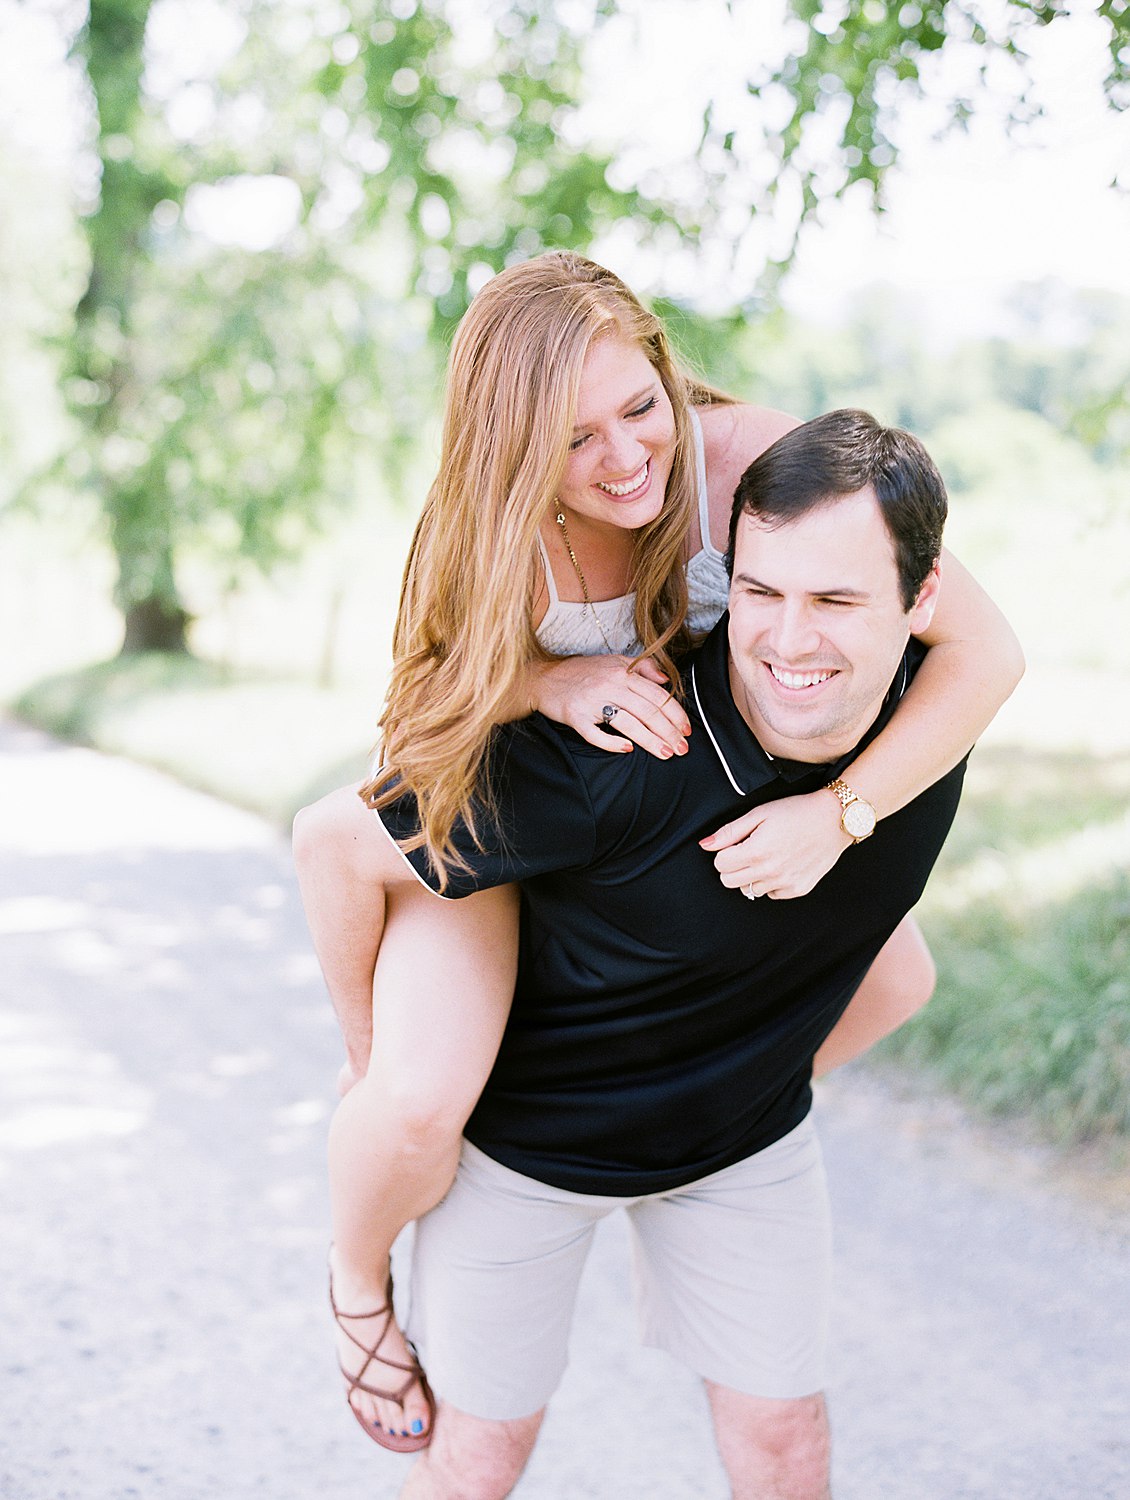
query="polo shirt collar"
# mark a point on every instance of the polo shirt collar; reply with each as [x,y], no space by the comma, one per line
[746,764]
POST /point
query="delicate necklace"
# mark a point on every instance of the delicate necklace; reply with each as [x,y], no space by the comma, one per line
[589,605]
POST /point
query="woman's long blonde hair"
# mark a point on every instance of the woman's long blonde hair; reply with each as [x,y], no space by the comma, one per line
[464,637]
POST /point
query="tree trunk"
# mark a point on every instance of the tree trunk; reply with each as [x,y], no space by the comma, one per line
[152,625]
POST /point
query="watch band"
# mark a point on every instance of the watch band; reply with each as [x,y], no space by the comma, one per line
[843,792]
[857,816]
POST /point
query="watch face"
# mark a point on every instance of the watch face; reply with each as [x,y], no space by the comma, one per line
[859,819]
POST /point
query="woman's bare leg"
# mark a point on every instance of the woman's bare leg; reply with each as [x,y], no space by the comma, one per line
[345,863]
[437,1004]
[896,987]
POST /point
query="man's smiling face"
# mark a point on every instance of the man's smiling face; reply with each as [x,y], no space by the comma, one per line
[817,625]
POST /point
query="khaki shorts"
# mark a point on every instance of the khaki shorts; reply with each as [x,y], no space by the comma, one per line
[731,1276]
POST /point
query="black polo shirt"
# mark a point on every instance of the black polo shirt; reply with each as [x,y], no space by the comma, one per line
[663,1027]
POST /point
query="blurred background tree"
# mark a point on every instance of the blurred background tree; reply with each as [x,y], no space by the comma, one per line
[385,160]
[230,392]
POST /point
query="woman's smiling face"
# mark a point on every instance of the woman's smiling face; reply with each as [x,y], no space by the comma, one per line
[623,439]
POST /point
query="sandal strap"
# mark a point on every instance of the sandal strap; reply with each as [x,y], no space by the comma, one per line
[356,1382]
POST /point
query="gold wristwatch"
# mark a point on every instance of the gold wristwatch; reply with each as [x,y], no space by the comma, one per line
[857,818]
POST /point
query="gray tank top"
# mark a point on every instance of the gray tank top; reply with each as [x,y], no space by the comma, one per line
[570,628]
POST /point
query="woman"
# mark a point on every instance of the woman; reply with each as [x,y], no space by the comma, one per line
[580,510]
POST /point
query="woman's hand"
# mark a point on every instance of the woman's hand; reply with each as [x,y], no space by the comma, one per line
[575,690]
[781,849]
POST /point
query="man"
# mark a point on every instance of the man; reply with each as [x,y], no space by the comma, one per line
[658,1053]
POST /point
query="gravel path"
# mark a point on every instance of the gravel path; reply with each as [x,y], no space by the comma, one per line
[166,1077]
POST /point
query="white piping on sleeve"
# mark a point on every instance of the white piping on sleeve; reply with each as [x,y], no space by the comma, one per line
[430,889]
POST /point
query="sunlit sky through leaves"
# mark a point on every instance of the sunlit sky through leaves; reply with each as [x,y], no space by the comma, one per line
[968,217]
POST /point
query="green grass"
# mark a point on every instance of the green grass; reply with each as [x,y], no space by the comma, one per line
[1020,798]
[1028,916]
[268,744]
[1032,1011]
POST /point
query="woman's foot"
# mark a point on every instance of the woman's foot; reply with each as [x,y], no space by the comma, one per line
[386,1388]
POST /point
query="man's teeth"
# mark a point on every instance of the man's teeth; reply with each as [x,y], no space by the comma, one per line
[628,487]
[798,679]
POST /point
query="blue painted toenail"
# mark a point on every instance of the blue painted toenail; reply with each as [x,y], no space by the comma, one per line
[417,1427]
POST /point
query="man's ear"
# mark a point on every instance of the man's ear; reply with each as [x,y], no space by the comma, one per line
[922,610]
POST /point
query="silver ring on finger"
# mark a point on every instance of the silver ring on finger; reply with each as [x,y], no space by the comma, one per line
[749,893]
[609,712]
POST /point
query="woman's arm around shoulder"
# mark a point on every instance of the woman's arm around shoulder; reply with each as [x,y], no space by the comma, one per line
[973,664]
[972,667]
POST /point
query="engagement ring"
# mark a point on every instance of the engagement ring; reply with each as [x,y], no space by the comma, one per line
[749,893]
[609,712]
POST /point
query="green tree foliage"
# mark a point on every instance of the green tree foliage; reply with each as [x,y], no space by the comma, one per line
[231,393]
[857,64]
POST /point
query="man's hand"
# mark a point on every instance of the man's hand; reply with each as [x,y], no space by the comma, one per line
[781,849]
[575,690]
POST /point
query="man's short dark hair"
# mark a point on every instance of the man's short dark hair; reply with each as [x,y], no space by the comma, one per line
[837,455]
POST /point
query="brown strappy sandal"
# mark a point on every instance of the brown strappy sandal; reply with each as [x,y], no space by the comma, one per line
[414,1372]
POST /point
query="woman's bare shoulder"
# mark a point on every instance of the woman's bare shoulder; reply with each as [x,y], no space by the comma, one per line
[732,437]
[738,433]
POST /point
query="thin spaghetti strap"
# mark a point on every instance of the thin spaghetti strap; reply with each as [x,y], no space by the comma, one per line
[551,586]
[700,479]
